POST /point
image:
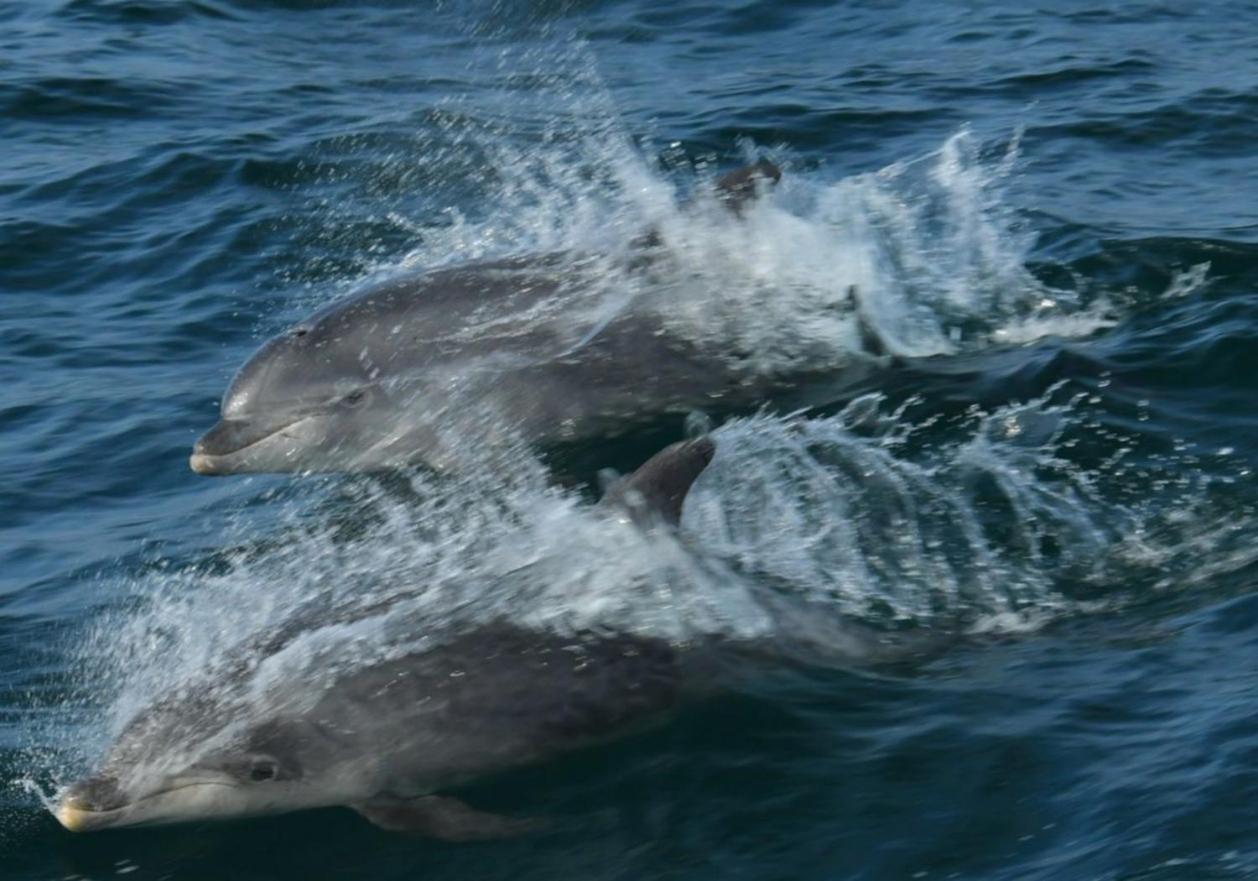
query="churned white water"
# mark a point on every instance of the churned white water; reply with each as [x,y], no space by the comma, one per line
[802,530]
[834,522]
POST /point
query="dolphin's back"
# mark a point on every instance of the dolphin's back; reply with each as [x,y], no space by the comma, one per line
[530,340]
[499,697]
[399,327]
[563,689]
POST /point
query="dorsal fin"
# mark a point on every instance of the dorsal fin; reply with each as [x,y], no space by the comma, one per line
[740,185]
[657,490]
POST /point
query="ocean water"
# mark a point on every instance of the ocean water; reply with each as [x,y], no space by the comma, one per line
[1044,503]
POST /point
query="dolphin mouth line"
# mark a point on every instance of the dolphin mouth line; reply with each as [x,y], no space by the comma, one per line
[66,813]
[205,463]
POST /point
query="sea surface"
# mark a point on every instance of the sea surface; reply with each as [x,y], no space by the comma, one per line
[1050,214]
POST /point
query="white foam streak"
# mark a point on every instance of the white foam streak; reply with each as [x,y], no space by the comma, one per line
[930,250]
[827,521]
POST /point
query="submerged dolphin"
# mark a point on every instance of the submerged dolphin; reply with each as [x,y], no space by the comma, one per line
[387,738]
[423,367]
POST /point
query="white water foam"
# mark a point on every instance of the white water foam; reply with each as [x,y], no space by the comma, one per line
[801,535]
[929,251]
[839,520]
[926,251]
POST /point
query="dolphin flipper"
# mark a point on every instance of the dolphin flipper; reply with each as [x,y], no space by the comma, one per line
[443,817]
[657,490]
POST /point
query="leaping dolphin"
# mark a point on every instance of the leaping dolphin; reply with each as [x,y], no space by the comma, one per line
[420,368]
[388,738]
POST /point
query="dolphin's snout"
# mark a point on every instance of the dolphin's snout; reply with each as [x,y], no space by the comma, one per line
[202,464]
[231,436]
[84,802]
[228,436]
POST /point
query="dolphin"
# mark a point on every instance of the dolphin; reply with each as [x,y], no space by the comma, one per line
[387,739]
[423,368]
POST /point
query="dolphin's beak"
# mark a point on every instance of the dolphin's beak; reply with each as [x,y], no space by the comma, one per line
[211,453]
[71,817]
[89,804]
[203,464]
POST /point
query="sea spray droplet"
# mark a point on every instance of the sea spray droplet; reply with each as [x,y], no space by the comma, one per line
[698,424]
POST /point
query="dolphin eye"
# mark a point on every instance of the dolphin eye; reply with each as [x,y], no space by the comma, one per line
[354,398]
[263,769]
[300,331]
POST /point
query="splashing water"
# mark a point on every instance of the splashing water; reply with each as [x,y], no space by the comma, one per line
[997,515]
[927,253]
[801,529]
[803,534]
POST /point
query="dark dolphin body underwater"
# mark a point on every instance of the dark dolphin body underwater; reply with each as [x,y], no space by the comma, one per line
[964,586]
[386,737]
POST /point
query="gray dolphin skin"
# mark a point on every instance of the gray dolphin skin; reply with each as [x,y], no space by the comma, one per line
[424,367]
[386,739]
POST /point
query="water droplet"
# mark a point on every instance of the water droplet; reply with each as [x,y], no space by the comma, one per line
[698,424]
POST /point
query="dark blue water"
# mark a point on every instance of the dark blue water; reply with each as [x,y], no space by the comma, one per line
[1053,213]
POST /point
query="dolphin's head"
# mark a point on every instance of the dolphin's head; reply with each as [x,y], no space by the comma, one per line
[158,772]
[310,399]
[223,787]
